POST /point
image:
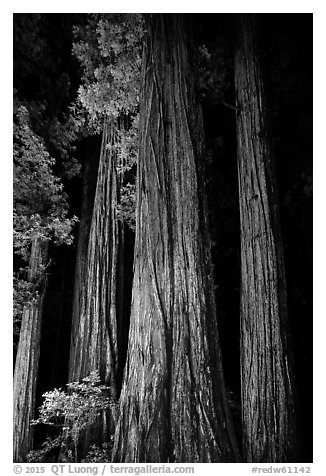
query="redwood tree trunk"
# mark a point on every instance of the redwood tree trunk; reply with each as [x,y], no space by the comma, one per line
[173,403]
[28,353]
[94,343]
[266,362]
[86,212]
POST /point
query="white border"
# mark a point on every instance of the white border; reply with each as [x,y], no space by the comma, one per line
[319,195]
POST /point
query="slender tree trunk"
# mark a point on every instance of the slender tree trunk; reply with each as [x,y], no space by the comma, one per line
[266,362]
[27,360]
[86,212]
[173,403]
[94,337]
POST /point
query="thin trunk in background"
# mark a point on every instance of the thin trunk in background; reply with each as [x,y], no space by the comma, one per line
[173,405]
[266,362]
[28,353]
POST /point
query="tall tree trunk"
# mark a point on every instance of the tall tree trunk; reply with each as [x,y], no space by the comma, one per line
[266,362]
[86,212]
[173,402]
[94,338]
[27,360]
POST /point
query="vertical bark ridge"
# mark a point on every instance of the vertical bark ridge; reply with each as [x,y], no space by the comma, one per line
[95,343]
[173,405]
[266,361]
[28,354]
[80,282]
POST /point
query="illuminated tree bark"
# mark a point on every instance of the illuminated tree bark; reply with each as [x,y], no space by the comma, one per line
[94,343]
[86,213]
[266,362]
[28,354]
[173,402]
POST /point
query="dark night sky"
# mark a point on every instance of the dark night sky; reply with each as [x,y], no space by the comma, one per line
[286,48]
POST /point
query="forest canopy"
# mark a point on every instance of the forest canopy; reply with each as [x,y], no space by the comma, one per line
[162,233]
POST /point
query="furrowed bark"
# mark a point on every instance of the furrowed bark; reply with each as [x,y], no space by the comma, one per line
[173,402]
[94,339]
[28,353]
[266,361]
[80,281]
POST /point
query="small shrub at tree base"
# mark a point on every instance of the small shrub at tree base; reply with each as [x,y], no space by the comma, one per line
[100,454]
[71,412]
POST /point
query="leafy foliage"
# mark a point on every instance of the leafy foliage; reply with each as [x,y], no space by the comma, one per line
[128,145]
[71,412]
[100,454]
[35,185]
[109,50]
[126,208]
[44,79]
[40,205]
